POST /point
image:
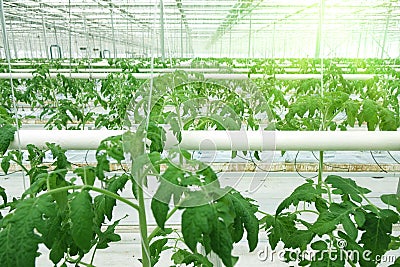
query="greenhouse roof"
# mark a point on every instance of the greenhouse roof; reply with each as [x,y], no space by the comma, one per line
[199,27]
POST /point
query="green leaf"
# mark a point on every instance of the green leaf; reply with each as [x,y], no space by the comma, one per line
[377,231]
[115,184]
[222,243]
[108,236]
[351,107]
[392,200]
[19,240]
[388,120]
[184,257]
[82,220]
[59,154]
[349,227]
[57,251]
[359,217]
[328,221]
[156,248]
[3,194]
[245,215]
[369,114]
[157,135]
[5,163]
[280,227]
[306,193]
[195,223]
[353,247]
[299,239]
[87,174]
[209,175]
[160,211]
[6,136]
[319,245]
[347,186]
[56,179]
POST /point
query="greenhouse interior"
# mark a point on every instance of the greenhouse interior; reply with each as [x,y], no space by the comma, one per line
[200,133]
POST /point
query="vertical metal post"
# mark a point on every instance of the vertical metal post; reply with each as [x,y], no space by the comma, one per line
[3,28]
[88,48]
[30,45]
[181,38]
[69,32]
[45,38]
[220,48]
[319,32]
[143,45]
[273,41]
[365,43]
[14,43]
[187,45]
[385,35]
[162,30]
[55,33]
[250,35]
[26,48]
[40,46]
[359,44]
[113,32]
[230,42]
[398,188]
[100,43]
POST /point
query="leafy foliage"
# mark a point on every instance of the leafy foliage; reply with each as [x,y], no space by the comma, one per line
[367,228]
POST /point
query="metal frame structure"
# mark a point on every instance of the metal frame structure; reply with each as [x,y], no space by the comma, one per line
[188,28]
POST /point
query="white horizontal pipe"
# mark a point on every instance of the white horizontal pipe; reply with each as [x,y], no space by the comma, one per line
[218,76]
[229,140]
[100,70]
[199,70]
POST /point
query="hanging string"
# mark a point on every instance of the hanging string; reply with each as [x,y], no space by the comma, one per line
[8,57]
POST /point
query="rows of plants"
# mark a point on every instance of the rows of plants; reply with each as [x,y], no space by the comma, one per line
[266,66]
[71,209]
[65,103]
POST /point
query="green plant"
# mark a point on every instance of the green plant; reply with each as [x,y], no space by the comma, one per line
[348,229]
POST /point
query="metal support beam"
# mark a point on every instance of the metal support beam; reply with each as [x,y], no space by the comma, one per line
[385,34]
[249,41]
[113,33]
[181,37]
[55,34]
[359,45]
[4,32]
[162,32]
[319,33]
[14,43]
[230,42]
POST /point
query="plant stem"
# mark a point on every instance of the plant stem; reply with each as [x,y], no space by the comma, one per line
[320,167]
[96,189]
[143,227]
[305,210]
[21,165]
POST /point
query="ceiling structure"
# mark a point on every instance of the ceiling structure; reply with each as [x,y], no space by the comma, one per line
[187,28]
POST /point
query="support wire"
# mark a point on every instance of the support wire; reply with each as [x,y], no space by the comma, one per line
[8,56]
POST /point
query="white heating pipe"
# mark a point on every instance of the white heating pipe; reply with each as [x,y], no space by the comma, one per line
[169,70]
[230,140]
[96,70]
[218,76]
